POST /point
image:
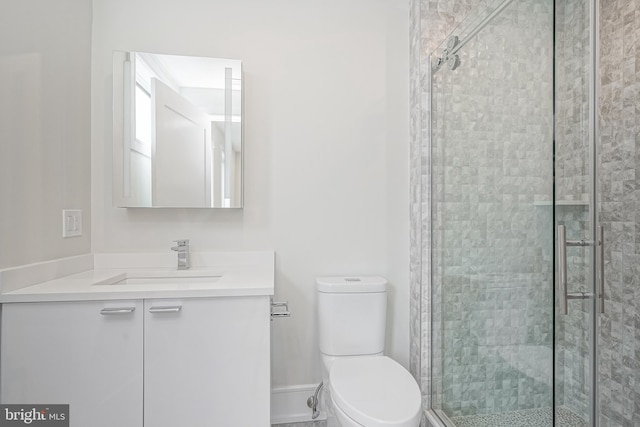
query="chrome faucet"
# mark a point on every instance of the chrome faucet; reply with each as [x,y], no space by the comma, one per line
[182,247]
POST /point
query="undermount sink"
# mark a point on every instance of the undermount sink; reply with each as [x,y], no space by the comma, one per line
[163,280]
[162,277]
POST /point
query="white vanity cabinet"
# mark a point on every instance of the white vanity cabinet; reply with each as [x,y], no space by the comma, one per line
[171,362]
[86,354]
[207,362]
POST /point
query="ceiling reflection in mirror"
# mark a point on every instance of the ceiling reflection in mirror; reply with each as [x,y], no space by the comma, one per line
[177,131]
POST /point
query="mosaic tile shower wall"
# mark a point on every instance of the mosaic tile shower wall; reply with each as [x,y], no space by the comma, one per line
[430,22]
[492,229]
[572,100]
[619,188]
[415,197]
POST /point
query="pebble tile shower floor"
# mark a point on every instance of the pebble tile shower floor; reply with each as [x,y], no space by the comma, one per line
[527,418]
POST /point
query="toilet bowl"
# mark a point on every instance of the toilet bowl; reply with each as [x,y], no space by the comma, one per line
[365,388]
[374,391]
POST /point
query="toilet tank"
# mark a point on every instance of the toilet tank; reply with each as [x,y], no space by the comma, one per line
[351,315]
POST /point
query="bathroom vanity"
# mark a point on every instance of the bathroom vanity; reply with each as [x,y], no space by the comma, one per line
[144,346]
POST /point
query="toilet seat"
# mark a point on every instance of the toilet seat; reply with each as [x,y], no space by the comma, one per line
[375,391]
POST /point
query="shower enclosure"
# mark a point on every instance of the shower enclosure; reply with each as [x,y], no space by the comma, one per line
[516,249]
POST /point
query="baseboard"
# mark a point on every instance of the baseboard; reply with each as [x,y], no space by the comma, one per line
[289,404]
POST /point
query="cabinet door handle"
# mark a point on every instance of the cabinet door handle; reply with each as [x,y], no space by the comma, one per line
[117,310]
[165,309]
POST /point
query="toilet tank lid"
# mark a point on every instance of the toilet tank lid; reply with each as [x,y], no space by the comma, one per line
[351,284]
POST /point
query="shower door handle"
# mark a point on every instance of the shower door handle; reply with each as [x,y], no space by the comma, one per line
[600,237]
[563,243]
[562,267]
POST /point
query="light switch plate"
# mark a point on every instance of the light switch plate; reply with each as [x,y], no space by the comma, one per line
[71,222]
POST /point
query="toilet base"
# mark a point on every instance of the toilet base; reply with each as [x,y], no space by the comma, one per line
[335,416]
[332,420]
[343,419]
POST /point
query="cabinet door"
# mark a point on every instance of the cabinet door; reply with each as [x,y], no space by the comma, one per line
[85,354]
[207,362]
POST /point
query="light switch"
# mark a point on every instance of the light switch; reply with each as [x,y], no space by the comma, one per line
[71,222]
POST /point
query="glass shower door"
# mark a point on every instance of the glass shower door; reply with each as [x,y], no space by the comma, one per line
[492,219]
[517,256]
[578,240]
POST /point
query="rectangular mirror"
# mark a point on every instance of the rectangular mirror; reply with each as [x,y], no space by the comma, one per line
[177,131]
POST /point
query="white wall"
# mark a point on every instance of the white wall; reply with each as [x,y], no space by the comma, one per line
[326,137]
[45,163]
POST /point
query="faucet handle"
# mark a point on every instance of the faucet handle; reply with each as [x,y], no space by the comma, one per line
[182,248]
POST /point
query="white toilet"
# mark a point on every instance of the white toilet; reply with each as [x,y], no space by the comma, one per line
[366,388]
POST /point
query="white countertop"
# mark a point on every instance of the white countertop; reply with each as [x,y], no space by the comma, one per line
[241,276]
